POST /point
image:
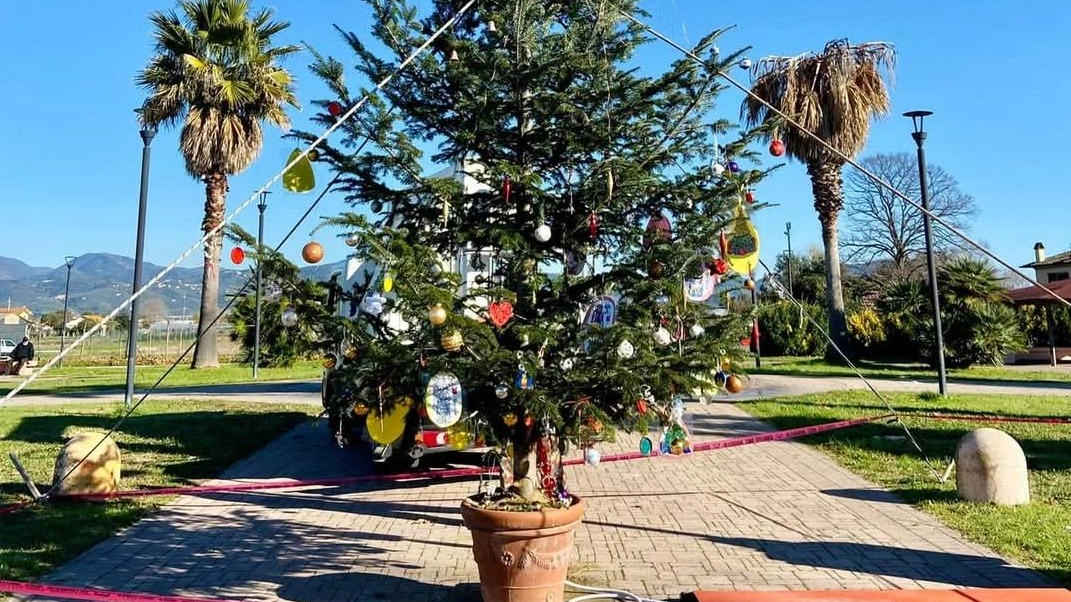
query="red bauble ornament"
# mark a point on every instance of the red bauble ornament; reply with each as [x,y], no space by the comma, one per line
[506,187]
[658,230]
[777,148]
[720,266]
[749,196]
[237,255]
[641,406]
[334,108]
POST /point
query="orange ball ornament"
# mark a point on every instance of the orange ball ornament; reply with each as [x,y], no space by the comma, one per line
[734,384]
[312,252]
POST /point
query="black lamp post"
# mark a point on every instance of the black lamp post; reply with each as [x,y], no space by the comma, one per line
[69,261]
[262,205]
[920,137]
[148,131]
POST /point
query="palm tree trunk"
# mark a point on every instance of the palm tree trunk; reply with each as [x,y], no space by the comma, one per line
[206,355]
[827,186]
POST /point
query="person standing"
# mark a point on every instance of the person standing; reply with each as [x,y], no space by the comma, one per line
[22,354]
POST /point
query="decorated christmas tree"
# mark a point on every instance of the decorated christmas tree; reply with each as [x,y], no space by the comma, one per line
[598,207]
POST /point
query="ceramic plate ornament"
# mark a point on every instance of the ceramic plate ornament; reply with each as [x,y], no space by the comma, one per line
[701,288]
[602,312]
[443,400]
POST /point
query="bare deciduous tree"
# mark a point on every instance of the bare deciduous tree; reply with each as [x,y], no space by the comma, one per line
[883,227]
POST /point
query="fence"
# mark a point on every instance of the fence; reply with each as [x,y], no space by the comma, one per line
[155,346]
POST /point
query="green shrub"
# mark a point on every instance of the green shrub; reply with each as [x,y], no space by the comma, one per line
[785,331]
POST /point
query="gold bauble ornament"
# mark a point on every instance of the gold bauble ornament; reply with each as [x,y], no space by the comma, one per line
[510,419]
[452,341]
[351,353]
[726,366]
[360,409]
[437,315]
[330,362]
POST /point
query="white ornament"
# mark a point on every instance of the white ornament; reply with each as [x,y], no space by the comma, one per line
[718,168]
[289,317]
[625,350]
[566,364]
[352,240]
[501,391]
[374,304]
[542,233]
[662,336]
[745,63]
[696,330]
[592,456]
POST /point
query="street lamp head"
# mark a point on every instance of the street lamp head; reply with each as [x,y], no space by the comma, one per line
[69,260]
[263,204]
[916,119]
[148,129]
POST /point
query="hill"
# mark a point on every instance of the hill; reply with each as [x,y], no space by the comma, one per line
[101,281]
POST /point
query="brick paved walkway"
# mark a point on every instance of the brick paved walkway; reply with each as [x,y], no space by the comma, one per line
[766,516]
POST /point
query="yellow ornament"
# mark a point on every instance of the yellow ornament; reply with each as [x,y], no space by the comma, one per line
[452,341]
[726,366]
[458,437]
[351,353]
[510,419]
[330,362]
[386,427]
[743,244]
[437,315]
[388,282]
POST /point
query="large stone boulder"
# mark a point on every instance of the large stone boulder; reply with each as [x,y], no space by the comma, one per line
[991,467]
[99,473]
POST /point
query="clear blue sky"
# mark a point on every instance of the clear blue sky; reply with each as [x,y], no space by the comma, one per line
[70,153]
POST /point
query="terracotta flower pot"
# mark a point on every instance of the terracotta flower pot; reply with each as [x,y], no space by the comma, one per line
[523,556]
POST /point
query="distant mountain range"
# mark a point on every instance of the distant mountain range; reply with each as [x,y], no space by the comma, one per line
[101,281]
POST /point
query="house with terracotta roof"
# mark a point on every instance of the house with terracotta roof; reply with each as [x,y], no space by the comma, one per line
[16,315]
[1054,274]
[1050,269]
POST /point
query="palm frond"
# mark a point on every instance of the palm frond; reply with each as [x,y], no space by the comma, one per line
[216,71]
[833,94]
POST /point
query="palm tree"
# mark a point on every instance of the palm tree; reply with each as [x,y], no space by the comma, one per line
[216,71]
[832,95]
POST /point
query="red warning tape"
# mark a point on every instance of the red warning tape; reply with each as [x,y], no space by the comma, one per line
[984,418]
[746,439]
[446,474]
[96,595]
[288,484]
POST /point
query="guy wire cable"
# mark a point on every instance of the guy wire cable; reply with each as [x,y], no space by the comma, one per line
[850,161]
[781,288]
[218,228]
[234,298]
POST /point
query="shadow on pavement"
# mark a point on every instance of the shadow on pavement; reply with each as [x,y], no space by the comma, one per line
[373,586]
[963,570]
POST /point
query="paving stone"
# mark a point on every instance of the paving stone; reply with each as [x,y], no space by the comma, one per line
[776,515]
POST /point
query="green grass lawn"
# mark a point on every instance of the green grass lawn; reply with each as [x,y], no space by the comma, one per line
[70,379]
[1038,534]
[165,443]
[813,366]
